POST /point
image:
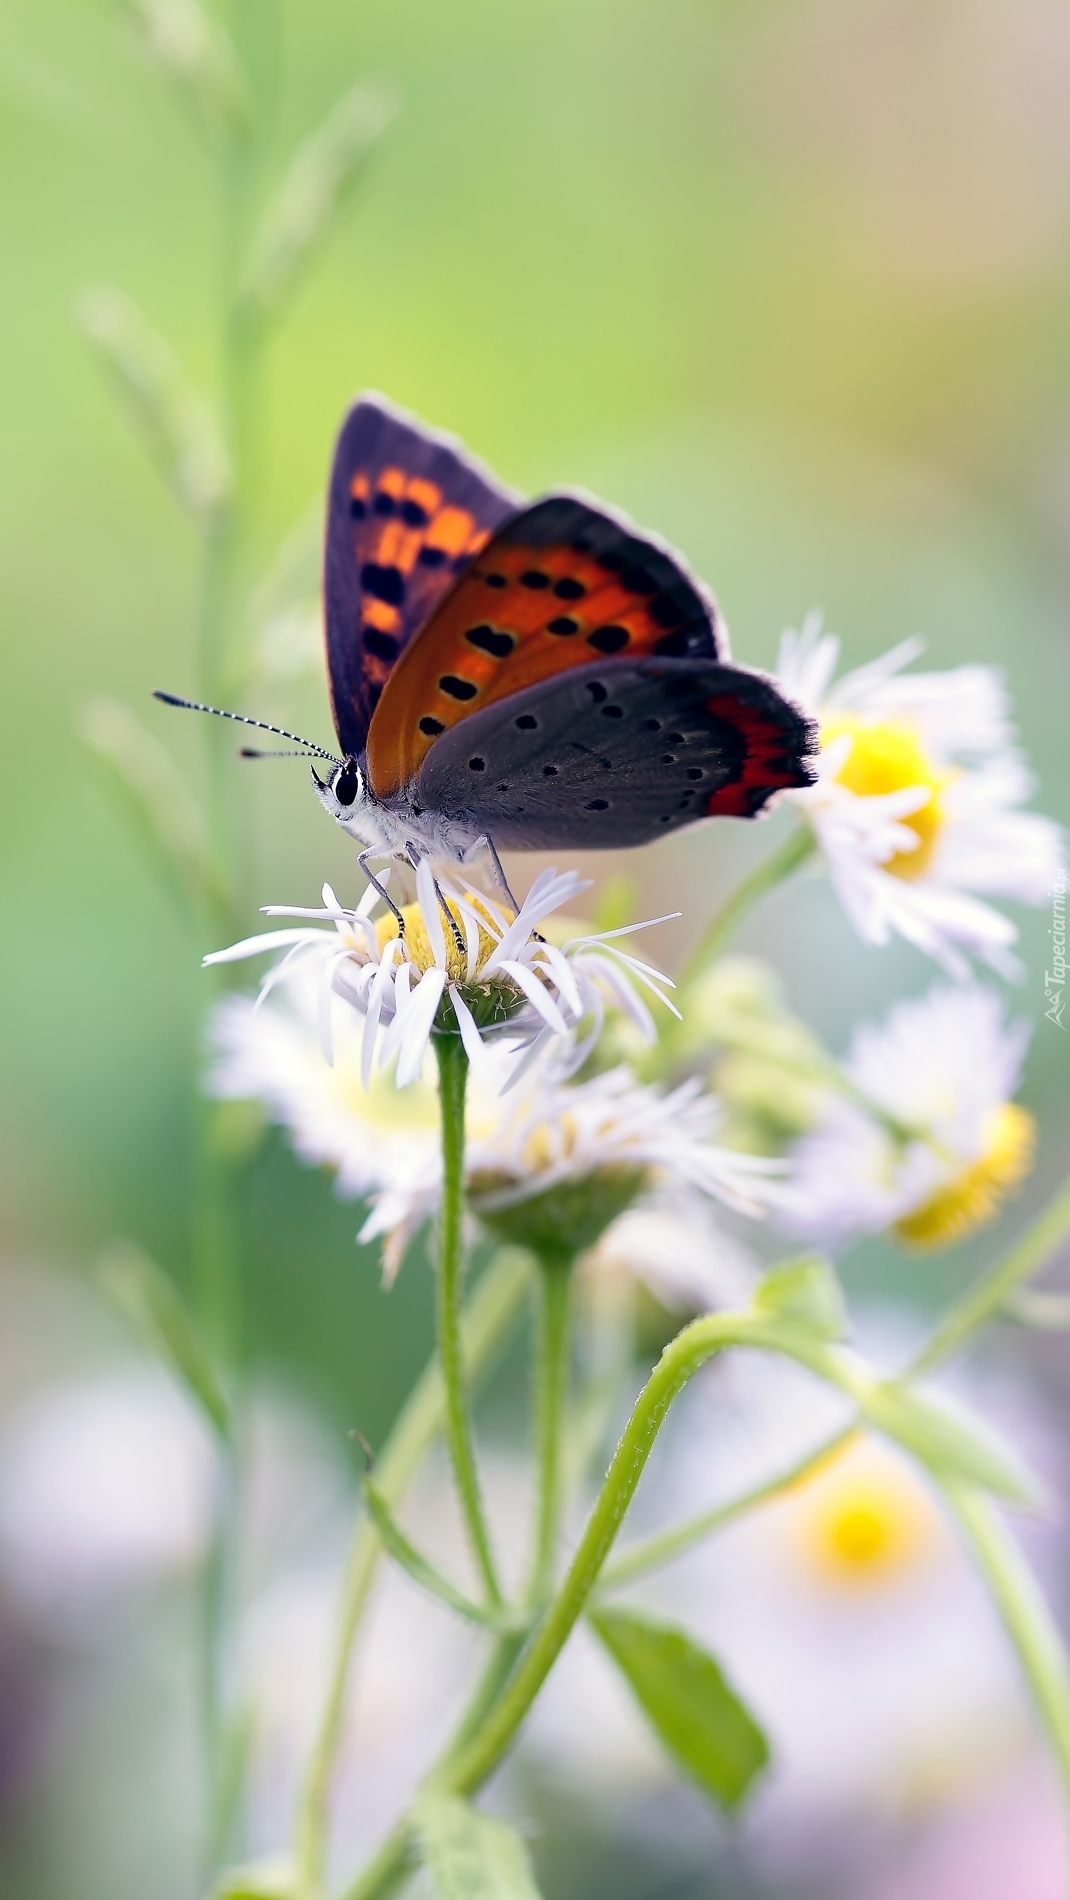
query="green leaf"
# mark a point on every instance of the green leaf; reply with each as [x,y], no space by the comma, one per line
[183,39]
[178,425]
[680,1688]
[806,1292]
[472,1856]
[149,1298]
[322,176]
[145,776]
[949,1442]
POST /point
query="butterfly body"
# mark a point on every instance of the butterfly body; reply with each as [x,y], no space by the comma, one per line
[539,676]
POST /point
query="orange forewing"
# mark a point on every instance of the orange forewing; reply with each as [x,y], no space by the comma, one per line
[523,633]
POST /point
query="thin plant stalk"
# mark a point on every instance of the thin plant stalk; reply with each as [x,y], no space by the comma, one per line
[491,1312]
[663,1548]
[453,1080]
[1024,1613]
[239,156]
[986,1299]
[794,851]
[552,1337]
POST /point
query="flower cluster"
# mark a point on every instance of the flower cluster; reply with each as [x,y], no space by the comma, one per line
[529,1014]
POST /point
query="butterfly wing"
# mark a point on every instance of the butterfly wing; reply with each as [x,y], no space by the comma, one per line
[406,510]
[618,754]
[562,584]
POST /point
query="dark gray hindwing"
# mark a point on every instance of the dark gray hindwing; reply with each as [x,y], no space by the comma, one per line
[618,755]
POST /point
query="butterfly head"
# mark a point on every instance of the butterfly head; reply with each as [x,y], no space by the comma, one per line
[343,792]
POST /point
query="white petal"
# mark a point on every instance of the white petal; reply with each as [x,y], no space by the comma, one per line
[538,995]
[270,940]
[418,1020]
[428,901]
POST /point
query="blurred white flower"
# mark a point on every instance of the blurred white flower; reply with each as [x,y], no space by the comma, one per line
[482,971]
[546,1132]
[936,1144]
[105,1485]
[676,1246]
[917,804]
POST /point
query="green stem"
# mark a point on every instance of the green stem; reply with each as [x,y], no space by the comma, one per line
[452,1079]
[492,1310]
[551,1385]
[795,849]
[427,1575]
[1025,1615]
[656,1551]
[681,1358]
[991,1292]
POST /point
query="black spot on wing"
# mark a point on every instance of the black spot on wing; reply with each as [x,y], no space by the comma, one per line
[383,583]
[383,645]
[491,640]
[457,688]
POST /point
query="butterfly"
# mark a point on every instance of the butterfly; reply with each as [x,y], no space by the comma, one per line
[523,675]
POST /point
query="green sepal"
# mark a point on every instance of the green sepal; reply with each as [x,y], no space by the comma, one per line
[808,1294]
[684,1695]
[565,1220]
[472,1856]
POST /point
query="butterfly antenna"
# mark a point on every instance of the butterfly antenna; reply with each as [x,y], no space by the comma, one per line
[254,752]
[242,719]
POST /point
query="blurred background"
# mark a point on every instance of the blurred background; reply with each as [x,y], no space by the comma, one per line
[788,280]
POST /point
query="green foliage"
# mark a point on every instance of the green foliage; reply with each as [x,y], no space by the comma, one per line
[191,47]
[683,1693]
[149,1298]
[178,425]
[472,1856]
[322,176]
[156,796]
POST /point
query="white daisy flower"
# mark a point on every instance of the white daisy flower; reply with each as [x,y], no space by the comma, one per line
[917,803]
[933,1143]
[546,1139]
[482,971]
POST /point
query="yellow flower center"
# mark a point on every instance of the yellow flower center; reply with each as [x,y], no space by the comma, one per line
[979,1191]
[863,1520]
[418,942]
[887,756]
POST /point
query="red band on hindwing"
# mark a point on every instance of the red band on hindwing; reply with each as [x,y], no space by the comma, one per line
[770,760]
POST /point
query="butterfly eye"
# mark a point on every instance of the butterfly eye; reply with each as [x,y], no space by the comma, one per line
[347,785]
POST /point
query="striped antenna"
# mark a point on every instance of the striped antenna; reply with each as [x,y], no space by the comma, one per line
[242,719]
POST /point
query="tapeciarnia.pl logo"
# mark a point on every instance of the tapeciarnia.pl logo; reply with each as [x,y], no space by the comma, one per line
[1055,978]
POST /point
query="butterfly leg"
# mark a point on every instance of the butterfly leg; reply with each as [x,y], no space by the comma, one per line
[362,861]
[414,856]
[485,843]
